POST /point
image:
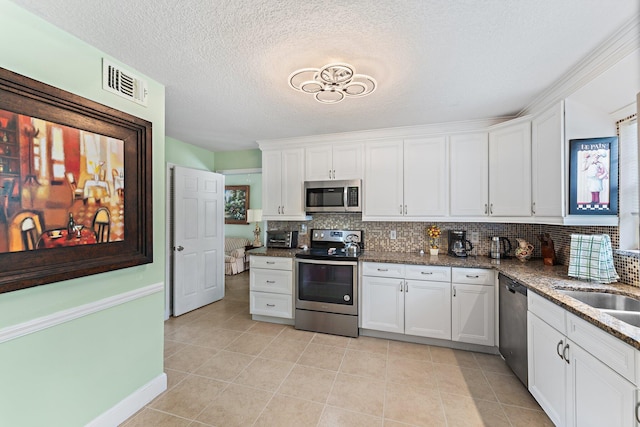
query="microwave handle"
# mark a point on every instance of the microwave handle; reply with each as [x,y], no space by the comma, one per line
[344,196]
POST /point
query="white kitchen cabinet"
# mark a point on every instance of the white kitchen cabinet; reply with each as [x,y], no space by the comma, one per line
[282,184]
[400,300]
[473,306]
[334,161]
[469,174]
[271,286]
[591,384]
[510,169]
[406,179]
[547,164]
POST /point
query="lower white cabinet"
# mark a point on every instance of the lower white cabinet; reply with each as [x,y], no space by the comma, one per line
[574,387]
[395,301]
[473,306]
[271,286]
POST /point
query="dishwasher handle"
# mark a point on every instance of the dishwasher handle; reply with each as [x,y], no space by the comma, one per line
[513,286]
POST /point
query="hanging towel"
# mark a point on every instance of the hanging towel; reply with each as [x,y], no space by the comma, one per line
[591,258]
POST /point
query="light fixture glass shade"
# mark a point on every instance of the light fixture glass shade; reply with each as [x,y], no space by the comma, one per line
[332,83]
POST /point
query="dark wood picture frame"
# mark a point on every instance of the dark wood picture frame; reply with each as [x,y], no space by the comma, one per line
[236,204]
[593,176]
[27,97]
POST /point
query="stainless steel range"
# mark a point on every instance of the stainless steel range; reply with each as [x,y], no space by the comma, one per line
[327,282]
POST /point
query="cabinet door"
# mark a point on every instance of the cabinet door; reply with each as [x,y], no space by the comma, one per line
[469,174]
[383,304]
[348,161]
[271,183]
[427,309]
[547,368]
[318,163]
[426,177]
[472,314]
[292,182]
[547,155]
[510,170]
[383,179]
[601,397]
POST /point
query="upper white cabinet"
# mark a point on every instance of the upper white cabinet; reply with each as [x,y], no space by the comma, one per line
[334,161]
[469,171]
[406,179]
[283,181]
[510,169]
[547,164]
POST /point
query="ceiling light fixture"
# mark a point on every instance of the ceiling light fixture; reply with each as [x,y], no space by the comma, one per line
[332,83]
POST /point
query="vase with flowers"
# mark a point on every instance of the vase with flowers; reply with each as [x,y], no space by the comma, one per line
[433,231]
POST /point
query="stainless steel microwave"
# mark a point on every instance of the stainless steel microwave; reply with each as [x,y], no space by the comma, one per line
[333,196]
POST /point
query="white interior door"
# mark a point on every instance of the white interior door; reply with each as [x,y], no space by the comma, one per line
[199,239]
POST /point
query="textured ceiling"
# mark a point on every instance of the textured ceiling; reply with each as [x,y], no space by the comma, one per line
[225,63]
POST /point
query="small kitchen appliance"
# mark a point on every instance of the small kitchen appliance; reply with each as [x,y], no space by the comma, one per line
[500,248]
[326,282]
[458,244]
[282,239]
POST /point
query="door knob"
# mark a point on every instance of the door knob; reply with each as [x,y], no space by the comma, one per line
[180,248]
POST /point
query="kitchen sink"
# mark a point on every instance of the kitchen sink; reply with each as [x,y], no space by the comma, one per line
[630,317]
[605,301]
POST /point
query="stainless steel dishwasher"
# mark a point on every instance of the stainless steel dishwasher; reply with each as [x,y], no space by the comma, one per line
[513,326]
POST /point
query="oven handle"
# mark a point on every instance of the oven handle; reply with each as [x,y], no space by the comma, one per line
[325,262]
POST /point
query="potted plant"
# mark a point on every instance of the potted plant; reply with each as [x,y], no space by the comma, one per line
[433,231]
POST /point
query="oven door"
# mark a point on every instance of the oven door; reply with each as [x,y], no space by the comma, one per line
[327,285]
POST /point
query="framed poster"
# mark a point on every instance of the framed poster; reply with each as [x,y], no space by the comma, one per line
[75,186]
[236,204]
[593,176]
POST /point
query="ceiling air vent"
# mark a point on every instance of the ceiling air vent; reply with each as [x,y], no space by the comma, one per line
[123,83]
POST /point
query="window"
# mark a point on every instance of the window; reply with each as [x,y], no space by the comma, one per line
[628,186]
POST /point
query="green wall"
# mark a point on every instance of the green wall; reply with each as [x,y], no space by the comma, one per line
[244,159]
[188,155]
[69,374]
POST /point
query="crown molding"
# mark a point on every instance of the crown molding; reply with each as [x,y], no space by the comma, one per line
[622,43]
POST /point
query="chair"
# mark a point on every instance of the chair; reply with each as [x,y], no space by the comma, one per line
[102,225]
[234,256]
[29,233]
[77,192]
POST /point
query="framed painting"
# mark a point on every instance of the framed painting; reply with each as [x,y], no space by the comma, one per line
[593,176]
[75,186]
[236,204]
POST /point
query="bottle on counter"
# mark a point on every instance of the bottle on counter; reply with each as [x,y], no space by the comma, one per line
[71,226]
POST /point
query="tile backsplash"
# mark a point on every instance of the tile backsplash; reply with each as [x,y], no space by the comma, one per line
[412,237]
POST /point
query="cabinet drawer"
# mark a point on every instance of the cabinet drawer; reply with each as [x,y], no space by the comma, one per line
[380,269]
[278,281]
[473,276]
[270,262]
[428,272]
[551,313]
[268,304]
[608,349]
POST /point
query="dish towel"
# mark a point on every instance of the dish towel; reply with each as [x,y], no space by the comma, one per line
[591,258]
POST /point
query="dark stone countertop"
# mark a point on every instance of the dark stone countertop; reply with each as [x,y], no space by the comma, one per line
[537,277]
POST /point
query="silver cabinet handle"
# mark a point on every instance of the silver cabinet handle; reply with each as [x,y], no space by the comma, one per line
[400,209]
[564,353]
[271,305]
[401,286]
[383,269]
[334,174]
[454,291]
[533,208]
[270,262]
[558,347]
[405,209]
[491,209]
[637,406]
[329,173]
[406,287]
[271,281]
[278,210]
[283,210]
[485,209]
[472,277]
[180,248]
[427,272]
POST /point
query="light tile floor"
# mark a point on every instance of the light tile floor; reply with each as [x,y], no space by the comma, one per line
[225,369]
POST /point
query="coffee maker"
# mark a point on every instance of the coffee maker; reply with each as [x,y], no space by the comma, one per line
[458,244]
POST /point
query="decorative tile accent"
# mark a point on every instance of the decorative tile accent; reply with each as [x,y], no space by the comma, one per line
[412,237]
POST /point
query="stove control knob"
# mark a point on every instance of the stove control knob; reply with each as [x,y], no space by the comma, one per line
[347,298]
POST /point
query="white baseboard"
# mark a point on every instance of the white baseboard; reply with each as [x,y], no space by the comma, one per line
[131,404]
